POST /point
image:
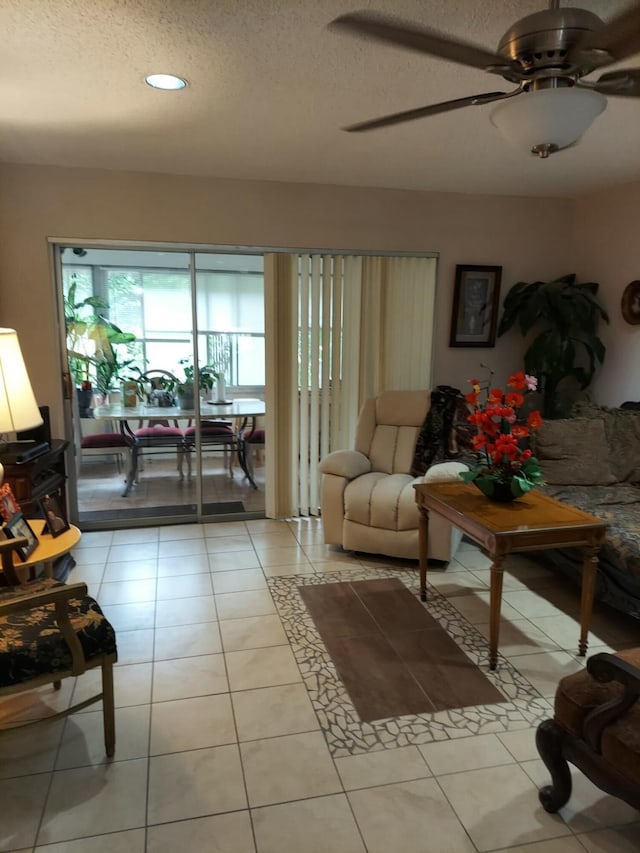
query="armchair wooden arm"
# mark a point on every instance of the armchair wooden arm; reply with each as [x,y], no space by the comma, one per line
[594,727]
[604,668]
[22,598]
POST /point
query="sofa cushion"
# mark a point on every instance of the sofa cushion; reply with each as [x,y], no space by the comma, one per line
[574,451]
[622,427]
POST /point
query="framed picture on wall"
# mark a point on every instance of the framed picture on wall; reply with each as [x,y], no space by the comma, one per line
[476,300]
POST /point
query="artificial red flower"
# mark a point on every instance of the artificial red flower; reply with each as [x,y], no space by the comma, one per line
[518,381]
[535,420]
[498,433]
[514,400]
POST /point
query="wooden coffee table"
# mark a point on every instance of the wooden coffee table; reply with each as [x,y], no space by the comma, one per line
[534,522]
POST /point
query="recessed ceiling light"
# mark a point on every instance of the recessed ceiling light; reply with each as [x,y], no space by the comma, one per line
[165,81]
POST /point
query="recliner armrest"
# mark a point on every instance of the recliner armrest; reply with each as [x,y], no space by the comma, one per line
[345,463]
[444,471]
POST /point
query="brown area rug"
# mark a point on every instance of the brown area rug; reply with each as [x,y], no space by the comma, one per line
[391,655]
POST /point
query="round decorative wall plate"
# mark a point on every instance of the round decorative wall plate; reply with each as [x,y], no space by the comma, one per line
[631,303]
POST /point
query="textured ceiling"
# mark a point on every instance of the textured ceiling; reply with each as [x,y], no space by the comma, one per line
[270,88]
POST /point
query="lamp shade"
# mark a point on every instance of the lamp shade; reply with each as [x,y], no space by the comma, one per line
[551,118]
[18,407]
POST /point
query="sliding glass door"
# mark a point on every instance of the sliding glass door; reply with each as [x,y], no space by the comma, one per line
[230,354]
[157,342]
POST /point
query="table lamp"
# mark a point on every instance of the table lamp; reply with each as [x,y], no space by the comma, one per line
[18,407]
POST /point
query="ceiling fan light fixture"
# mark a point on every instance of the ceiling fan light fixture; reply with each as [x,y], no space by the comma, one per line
[547,120]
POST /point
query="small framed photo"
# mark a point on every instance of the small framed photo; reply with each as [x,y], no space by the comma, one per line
[55,521]
[18,527]
[476,297]
[9,506]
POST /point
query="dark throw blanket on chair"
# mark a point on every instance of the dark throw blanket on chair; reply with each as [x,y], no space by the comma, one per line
[445,433]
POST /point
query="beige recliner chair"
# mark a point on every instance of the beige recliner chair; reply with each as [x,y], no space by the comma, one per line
[368,499]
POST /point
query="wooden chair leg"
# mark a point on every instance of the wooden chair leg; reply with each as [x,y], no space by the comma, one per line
[549,740]
[57,685]
[108,709]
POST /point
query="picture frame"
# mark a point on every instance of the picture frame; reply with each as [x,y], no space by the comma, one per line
[476,300]
[17,527]
[55,519]
[9,506]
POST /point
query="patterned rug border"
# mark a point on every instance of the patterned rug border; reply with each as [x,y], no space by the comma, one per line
[346,734]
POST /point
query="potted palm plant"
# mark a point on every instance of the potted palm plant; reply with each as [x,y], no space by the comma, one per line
[566,349]
[93,344]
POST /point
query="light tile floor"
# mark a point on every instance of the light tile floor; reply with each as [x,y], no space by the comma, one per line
[218,745]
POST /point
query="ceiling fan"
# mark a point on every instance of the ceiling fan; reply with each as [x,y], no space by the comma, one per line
[546,54]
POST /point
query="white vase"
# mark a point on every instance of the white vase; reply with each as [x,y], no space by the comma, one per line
[220,390]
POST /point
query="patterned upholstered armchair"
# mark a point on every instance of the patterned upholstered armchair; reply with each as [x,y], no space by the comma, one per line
[50,631]
[596,727]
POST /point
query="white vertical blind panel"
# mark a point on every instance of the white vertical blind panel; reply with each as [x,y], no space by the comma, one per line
[351,349]
[293,379]
[337,440]
[318,270]
[328,289]
[371,355]
[303,413]
[409,296]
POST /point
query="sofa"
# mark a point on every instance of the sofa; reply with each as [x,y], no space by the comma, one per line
[368,500]
[592,461]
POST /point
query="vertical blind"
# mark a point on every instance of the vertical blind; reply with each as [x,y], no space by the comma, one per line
[340,328]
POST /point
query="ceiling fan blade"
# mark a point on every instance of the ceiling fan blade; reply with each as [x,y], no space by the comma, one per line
[618,39]
[625,82]
[414,37]
[431,110]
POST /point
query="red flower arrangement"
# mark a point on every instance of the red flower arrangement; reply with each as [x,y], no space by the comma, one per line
[504,471]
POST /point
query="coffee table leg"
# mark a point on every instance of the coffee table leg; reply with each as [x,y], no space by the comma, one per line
[495,601]
[589,569]
[423,542]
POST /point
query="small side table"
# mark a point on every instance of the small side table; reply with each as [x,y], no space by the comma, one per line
[535,522]
[48,549]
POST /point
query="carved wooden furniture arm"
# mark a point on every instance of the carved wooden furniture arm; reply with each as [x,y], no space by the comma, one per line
[604,668]
[19,599]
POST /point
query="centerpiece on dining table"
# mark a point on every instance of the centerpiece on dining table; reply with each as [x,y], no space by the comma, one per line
[506,468]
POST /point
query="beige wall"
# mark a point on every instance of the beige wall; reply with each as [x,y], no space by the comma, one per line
[530,238]
[608,251]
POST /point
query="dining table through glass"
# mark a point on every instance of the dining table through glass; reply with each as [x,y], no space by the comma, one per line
[241,412]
